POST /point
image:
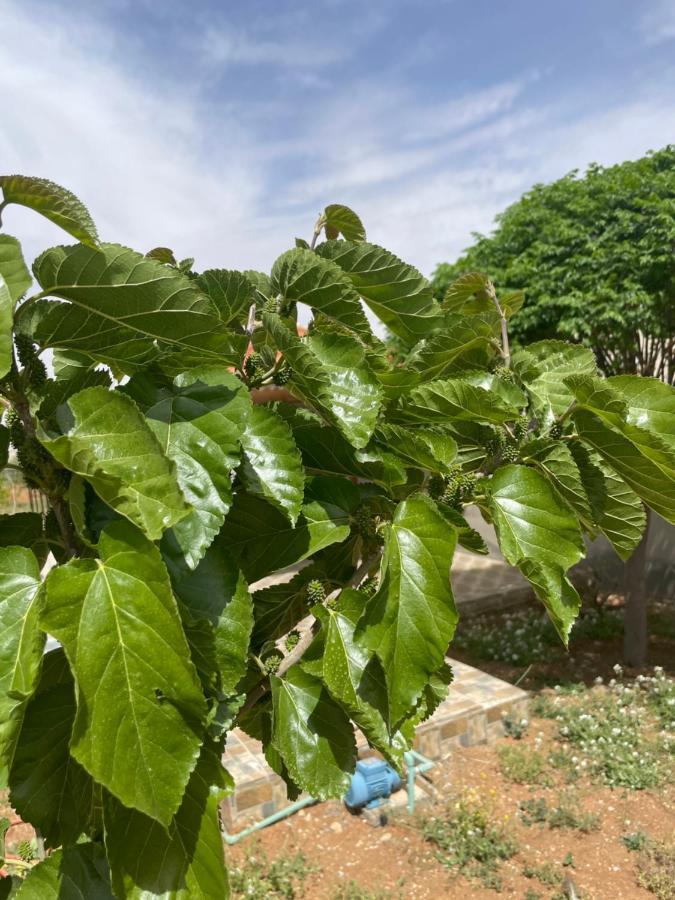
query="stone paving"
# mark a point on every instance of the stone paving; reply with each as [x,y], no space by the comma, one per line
[472,714]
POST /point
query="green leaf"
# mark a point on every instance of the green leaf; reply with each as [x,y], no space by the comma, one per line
[126,310]
[617,510]
[21,646]
[420,448]
[325,452]
[109,442]
[181,863]
[231,292]
[354,676]
[6,323]
[396,292]
[48,788]
[454,398]
[13,268]
[272,466]
[217,592]
[467,536]
[544,366]
[262,540]
[25,530]
[163,254]
[312,734]
[198,419]
[464,341]
[556,461]
[281,606]
[331,374]
[341,220]
[469,294]
[140,704]
[303,277]
[52,201]
[555,592]
[532,520]
[411,619]
[70,874]
[4,445]
[650,404]
[353,394]
[642,459]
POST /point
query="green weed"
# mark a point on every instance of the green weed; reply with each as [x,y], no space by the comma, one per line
[470,843]
[260,879]
[523,766]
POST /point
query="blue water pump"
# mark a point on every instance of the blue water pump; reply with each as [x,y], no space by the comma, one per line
[373,781]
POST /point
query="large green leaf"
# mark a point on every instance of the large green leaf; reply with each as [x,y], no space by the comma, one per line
[556,460]
[231,292]
[354,676]
[13,268]
[544,365]
[353,395]
[411,619]
[109,442]
[643,460]
[463,341]
[262,540]
[53,202]
[616,508]
[531,519]
[272,463]
[6,322]
[331,374]
[279,607]
[326,452]
[21,644]
[217,592]
[302,276]
[198,419]
[48,788]
[341,220]
[184,862]
[140,703]
[651,404]
[127,310]
[312,734]
[25,529]
[396,292]
[455,398]
[74,873]
[420,448]
[556,593]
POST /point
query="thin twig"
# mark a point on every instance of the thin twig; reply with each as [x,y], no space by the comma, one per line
[506,352]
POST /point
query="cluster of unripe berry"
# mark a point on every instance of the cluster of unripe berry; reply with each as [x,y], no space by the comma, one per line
[453,489]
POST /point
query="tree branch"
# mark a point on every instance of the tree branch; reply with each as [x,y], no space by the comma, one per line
[506,352]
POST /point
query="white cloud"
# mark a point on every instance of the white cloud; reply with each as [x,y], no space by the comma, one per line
[657,22]
[223,45]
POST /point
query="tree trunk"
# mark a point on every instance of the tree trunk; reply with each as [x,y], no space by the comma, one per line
[635,618]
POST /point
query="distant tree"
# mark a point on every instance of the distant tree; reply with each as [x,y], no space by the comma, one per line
[595,256]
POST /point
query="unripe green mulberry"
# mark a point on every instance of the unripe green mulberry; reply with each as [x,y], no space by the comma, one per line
[316,592]
[510,453]
[25,851]
[556,431]
[365,523]
[273,661]
[505,374]
[520,428]
[292,640]
[283,375]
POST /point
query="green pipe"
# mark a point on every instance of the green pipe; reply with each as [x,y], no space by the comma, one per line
[270,820]
[413,770]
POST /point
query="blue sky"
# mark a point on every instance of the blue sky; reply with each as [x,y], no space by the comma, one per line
[222,128]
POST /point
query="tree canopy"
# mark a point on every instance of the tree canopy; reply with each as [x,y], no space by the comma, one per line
[595,255]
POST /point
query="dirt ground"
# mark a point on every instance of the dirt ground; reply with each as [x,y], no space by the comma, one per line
[396,861]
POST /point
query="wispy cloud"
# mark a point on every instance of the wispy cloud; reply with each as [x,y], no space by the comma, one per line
[657,22]
[224,46]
